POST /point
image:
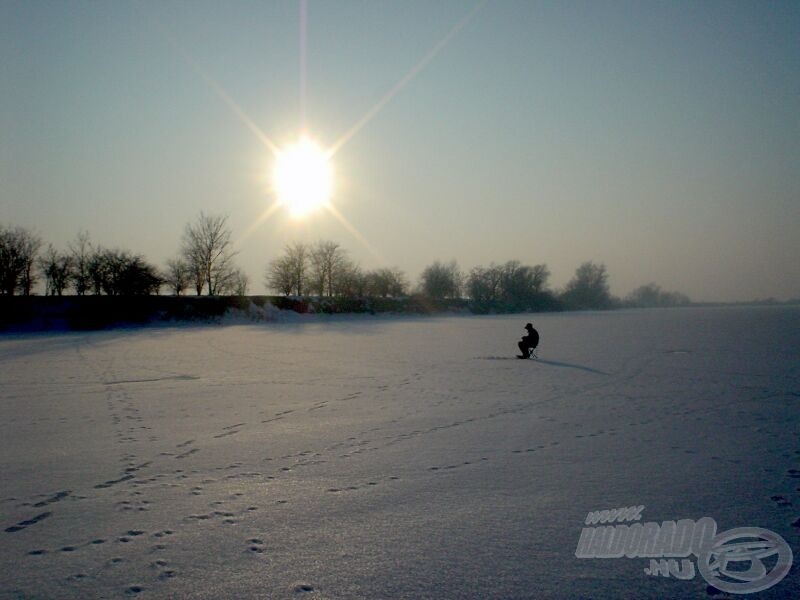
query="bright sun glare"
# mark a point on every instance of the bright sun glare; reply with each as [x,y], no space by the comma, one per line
[302,177]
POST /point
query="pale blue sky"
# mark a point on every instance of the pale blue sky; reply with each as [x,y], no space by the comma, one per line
[662,138]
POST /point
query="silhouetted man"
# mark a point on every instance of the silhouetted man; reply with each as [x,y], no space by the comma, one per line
[528,342]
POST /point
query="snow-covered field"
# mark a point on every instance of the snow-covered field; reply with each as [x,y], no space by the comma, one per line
[390,457]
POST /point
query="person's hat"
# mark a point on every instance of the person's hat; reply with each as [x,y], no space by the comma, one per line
[529,326]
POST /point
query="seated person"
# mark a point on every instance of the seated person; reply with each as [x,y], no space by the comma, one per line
[529,342]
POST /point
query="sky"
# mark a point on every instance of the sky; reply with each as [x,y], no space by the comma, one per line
[659,138]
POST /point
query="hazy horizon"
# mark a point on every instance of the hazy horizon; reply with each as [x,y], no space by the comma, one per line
[660,139]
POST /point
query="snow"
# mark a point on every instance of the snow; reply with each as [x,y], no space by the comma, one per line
[389,457]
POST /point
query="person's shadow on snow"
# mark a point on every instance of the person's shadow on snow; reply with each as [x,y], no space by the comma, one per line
[552,363]
[556,363]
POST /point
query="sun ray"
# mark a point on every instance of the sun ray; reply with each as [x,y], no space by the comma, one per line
[356,234]
[303,61]
[237,110]
[406,79]
[258,222]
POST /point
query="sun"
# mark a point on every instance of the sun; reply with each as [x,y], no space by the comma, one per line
[303,177]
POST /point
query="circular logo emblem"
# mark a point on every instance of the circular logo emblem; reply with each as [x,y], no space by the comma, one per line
[733,560]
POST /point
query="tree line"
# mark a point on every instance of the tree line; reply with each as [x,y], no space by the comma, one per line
[205,265]
[515,287]
[324,269]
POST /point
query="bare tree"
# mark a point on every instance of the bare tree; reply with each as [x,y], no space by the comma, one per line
[197,277]
[231,281]
[651,295]
[327,259]
[207,248]
[240,282]
[398,282]
[520,284]
[298,255]
[135,276]
[588,288]
[30,249]
[508,287]
[98,270]
[484,286]
[81,251]
[288,273]
[223,278]
[280,275]
[122,273]
[57,270]
[10,262]
[177,275]
[386,282]
[440,281]
[350,281]
[18,250]
[375,285]
[540,274]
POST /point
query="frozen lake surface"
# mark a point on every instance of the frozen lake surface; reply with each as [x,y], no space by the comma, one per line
[390,457]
